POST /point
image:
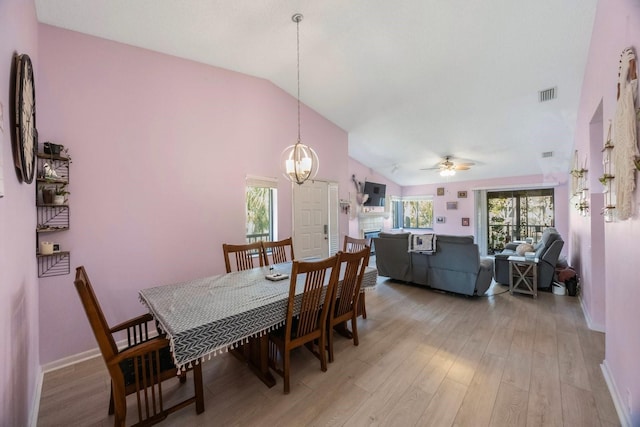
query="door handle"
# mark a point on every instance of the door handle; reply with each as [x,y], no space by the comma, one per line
[326,232]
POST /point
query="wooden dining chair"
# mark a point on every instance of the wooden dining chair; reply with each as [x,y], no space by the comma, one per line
[140,367]
[278,251]
[245,255]
[344,304]
[307,327]
[351,244]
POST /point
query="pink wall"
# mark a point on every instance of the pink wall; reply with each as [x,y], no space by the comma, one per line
[453,218]
[616,299]
[161,147]
[19,284]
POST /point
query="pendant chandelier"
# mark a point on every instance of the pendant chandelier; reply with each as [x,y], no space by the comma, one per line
[300,161]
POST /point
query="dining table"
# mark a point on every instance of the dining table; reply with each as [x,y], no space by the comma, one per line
[213,315]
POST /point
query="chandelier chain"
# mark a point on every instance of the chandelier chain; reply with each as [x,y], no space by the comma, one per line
[298,18]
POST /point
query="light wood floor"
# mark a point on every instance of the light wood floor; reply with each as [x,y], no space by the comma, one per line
[425,358]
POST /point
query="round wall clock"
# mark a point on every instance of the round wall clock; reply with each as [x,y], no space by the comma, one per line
[25,114]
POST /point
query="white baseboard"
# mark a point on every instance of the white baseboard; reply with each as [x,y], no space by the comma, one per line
[623,414]
[587,318]
[71,360]
[35,409]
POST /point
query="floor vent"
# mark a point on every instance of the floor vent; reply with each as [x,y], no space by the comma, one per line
[547,94]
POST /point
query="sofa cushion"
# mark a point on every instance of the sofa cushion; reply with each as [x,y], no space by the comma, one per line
[404,236]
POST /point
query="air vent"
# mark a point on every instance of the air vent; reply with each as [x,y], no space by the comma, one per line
[547,94]
[547,154]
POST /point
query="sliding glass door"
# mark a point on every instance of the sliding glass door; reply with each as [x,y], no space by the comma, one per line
[518,215]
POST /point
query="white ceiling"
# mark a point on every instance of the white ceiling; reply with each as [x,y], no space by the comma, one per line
[411,81]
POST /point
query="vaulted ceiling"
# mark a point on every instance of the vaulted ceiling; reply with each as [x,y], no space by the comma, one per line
[410,81]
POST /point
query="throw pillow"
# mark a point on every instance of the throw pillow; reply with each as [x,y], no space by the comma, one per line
[524,247]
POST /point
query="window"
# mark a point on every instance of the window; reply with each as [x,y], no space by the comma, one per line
[413,212]
[518,215]
[261,221]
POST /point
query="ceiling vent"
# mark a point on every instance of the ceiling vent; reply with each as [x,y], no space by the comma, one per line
[547,154]
[547,94]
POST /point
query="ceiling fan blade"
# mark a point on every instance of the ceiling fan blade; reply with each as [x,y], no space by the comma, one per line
[462,168]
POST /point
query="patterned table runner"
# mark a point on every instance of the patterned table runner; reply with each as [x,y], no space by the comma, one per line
[210,315]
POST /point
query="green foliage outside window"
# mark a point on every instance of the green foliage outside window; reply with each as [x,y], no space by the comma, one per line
[517,215]
[259,214]
[413,214]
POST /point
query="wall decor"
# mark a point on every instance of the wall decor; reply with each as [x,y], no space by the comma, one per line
[440,191]
[452,205]
[440,220]
[607,179]
[625,134]
[462,194]
[465,222]
[26,140]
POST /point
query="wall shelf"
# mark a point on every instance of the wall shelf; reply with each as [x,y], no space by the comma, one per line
[56,264]
[51,218]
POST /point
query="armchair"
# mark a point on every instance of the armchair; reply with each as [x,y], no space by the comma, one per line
[547,251]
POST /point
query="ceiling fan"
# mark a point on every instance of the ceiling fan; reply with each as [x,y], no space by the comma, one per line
[448,168]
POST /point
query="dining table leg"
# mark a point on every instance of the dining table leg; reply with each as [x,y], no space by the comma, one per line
[255,353]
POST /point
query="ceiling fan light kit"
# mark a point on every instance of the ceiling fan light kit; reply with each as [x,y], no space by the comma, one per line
[448,168]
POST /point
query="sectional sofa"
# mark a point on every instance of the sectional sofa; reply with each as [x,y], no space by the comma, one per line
[455,266]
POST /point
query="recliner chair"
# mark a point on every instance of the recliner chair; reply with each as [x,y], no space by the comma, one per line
[547,251]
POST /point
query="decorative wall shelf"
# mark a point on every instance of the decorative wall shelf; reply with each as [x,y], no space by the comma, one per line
[55,264]
[53,173]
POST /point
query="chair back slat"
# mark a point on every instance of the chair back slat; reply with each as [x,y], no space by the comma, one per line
[245,255]
[349,290]
[316,297]
[351,244]
[278,251]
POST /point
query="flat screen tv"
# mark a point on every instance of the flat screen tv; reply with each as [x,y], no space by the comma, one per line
[376,193]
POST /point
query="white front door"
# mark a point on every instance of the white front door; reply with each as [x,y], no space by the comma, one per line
[311,219]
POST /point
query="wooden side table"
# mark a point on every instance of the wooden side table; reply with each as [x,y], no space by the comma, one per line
[523,276]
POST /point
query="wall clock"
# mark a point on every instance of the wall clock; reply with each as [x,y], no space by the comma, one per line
[25,114]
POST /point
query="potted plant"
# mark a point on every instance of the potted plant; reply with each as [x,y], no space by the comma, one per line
[60,194]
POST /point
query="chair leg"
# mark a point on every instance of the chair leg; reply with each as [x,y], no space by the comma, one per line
[321,349]
[362,306]
[330,339]
[120,404]
[285,368]
[354,329]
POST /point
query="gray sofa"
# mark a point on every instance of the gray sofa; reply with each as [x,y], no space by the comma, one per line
[454,267]
[547,251]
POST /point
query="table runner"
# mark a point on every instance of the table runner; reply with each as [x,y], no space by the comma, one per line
[208,316]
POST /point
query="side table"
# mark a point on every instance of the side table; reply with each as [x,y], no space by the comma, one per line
[523,275]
